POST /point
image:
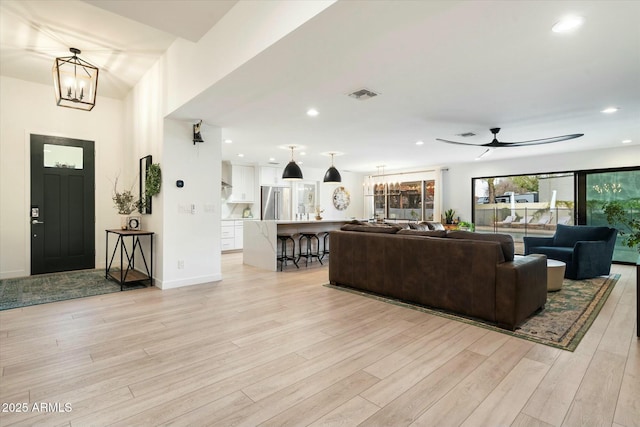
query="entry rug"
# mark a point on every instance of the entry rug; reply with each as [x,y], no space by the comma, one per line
[563,322]
[44,288]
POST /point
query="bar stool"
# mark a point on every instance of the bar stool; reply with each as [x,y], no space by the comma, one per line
[325,242]
[284,256]
[309,253]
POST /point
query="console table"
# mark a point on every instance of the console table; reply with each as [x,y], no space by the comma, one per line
[127,272]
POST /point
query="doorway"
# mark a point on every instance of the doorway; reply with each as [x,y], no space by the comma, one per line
[62,215]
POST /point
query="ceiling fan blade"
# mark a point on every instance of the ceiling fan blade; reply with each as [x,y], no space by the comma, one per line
[542,141]
[460,143]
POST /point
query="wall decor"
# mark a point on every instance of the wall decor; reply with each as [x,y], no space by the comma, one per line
[341,198]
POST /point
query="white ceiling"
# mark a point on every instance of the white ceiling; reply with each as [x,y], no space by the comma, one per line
[441,68]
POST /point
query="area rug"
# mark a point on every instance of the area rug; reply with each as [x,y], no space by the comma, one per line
[44,288]
[563,322]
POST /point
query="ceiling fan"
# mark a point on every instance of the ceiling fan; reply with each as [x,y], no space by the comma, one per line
[498,144]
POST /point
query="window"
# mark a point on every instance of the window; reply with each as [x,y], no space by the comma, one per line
[62,156]
[523,205]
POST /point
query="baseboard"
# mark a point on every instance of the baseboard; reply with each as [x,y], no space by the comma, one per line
[187,282]
[13,274]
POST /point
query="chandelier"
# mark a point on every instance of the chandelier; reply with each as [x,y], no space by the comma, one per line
[75,82]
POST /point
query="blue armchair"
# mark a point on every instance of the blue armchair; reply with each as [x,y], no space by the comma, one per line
[586,250]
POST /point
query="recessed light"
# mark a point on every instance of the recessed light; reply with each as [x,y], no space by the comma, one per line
[610,110]
[228,141]
[299,162]
[302,153]
[419,142]
[272,159]
[312,112]
[240,155]
[626,141]
[567,24]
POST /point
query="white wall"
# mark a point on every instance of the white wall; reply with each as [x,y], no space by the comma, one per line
[457,180]
[191,238]
[144,135]
[30,108]
[245,31]
[352,182]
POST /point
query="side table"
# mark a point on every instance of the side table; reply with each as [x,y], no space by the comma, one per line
[555,274]
[127,272]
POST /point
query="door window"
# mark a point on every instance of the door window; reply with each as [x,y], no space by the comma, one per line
[63,156]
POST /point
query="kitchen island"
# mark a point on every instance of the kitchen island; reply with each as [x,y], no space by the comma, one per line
[260,241]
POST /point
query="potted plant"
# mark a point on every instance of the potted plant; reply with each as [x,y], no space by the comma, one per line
[468,226]
[449,215]
[125,202]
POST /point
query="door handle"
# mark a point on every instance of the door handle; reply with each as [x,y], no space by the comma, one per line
[35,221]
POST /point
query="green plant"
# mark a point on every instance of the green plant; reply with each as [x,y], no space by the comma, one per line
[448,216]
[124,201]
[468,225]
[618,216]
[153,180]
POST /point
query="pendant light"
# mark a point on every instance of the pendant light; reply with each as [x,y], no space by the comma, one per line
[292,171]
[332,174]
[75,82]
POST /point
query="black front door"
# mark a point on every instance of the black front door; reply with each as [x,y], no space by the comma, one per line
[62,204]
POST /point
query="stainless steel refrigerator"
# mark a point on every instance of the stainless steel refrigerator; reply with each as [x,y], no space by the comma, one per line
[275,203]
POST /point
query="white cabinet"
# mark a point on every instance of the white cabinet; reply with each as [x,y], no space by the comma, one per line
[231,235]
[243,184]
[228,241]
[238,231]
[272,176]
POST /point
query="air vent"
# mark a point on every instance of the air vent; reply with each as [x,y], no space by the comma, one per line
[466,134]
[274,163]
[363,94]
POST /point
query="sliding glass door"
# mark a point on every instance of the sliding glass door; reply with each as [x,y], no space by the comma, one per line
[612,185]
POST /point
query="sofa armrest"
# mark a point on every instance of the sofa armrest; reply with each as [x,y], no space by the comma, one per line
[588,247]
[532,241]
[521,289]
[593,253]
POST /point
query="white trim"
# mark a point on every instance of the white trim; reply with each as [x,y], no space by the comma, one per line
[187,282]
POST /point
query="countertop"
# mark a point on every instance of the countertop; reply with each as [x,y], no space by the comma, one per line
[305,221]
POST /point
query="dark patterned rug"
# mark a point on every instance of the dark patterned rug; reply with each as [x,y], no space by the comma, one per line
[44,288]
[567,315]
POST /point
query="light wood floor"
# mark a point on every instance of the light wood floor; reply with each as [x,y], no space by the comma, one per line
[279,349]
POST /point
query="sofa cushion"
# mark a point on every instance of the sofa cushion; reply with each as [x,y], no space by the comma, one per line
[372,228]
[400,225]
[418,226]
[564,254]
[428,233]
[433,225]
[568,235]
[505,240]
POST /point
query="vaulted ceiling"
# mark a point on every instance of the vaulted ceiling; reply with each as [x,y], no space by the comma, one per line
[440,68]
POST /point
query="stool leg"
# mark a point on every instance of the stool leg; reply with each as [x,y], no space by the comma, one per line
[293,252]
[318,250]
[325,251]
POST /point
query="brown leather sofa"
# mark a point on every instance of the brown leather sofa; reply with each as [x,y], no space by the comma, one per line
[471,274]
